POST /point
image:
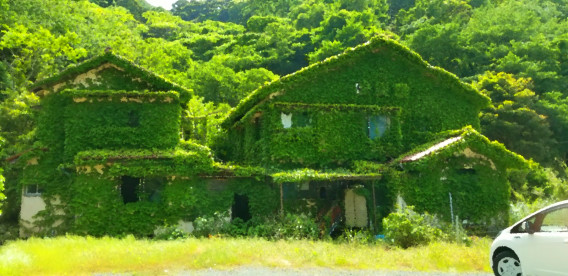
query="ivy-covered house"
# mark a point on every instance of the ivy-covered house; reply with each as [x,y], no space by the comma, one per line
[343,132]
[109,159]
[340,140]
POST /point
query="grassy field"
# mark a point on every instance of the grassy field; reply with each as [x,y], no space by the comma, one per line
[74,255]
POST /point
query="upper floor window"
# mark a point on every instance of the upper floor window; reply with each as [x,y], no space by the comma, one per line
[296,119]
[33,190]
[377,125]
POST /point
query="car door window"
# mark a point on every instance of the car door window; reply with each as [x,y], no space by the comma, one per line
[555,221]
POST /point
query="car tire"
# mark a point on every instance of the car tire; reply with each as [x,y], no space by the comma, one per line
[507,263]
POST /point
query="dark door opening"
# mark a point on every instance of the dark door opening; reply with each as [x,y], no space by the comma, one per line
[323,193]
[240,208]
[129,189]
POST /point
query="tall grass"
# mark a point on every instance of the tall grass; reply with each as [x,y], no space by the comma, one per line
[74,255]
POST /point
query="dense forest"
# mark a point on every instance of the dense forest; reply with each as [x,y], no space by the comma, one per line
[514,51]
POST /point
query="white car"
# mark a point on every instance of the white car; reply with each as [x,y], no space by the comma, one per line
[536,245]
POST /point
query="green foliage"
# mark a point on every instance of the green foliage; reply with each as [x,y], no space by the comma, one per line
[355,236]
[114,124]
[512,119]
[293,226]
[36,53]
[2,196]
[289,226]
[339,133]
[101,211]
[408,228]
[302,175]
[224,49]
[479,184]
[216,224]
[171,233]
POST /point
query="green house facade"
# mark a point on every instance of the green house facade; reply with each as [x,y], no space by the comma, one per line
[338,140]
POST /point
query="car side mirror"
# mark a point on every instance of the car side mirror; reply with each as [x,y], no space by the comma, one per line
[528,226]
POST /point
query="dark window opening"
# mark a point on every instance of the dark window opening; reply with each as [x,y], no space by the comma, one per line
[133,118]
[301,119]
[240,208]
[129,189]
[466,171]
[33,190]
[256,129]
[323,193]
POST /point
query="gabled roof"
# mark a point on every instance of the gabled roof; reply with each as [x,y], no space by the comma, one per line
[157,82]
[464,138]
[376,44]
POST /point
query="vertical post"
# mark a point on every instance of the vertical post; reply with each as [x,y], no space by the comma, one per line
[374,206]
[281,200]
[451,208]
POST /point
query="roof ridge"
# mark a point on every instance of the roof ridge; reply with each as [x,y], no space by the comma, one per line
[117,60]
[262,93]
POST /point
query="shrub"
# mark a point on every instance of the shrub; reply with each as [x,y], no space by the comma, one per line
[357,236]
[289,226]
[170,233]
[293,226]
[218,223]
[408,228]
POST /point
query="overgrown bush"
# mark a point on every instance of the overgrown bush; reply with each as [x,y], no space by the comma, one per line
[293,226]
[218,223]
[408,228]
[289,226]
[170,233]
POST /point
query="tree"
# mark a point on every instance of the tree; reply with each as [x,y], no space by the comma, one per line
[36,54]
[519,37]
[555,106]
[200,121]
[511,119]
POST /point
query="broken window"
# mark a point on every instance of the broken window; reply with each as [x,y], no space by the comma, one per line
[296,119]
[286,120]
[33,190]
[377,125]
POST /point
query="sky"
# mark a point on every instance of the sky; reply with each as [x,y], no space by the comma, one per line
[166,4]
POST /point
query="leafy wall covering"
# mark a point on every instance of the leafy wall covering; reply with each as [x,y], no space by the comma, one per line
[380,77]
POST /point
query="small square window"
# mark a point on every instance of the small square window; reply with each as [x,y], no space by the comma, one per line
[377,126]
[33,190]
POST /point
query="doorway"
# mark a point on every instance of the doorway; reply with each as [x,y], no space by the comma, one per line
[240,208]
